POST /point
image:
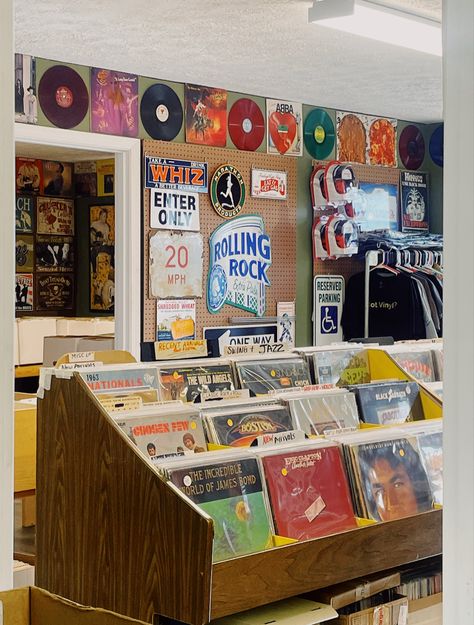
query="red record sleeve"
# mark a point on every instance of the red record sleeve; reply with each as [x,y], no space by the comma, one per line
[308,492]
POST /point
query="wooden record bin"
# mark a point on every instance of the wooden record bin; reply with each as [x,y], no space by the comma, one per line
[112,534]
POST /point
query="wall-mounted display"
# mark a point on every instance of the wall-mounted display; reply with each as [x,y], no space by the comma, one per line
[161,112]
[29,175]
[26,105]
[25,213]
[102,257]
[206,115]
[227,191]
[411,145]
[169,173]
[54,292]
[414,200]
[285,128]
[57,178]
[175,319]
[383,142]
[54,216]
[24,292]
[85,179]
[63,96]
[114,102]
[269,184]
[174,210]
[24,253]
[54,253]
[319,134]
[352,130]
[246,124]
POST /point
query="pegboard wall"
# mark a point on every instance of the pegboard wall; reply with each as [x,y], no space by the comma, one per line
[279,217]
[348,266]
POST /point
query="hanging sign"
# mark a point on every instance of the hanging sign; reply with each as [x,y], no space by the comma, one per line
[168,173]
[269,184]
[240,257]
[328,298]
[218,338]
[176,264]
[174,210]
[227,191]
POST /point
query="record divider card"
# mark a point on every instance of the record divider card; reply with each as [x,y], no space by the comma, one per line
[279,217]
[348,266]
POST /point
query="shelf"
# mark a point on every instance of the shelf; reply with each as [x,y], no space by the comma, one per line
[111,533]
[27,371]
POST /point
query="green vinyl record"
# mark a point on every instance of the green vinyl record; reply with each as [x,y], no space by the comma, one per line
[319,134]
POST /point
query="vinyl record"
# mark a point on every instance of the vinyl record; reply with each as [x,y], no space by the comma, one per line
[161,112]
[246,125]
[437,146]
[319,134]
[63,96]
[412,147]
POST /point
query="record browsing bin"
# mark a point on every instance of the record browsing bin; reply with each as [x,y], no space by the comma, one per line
[111,532]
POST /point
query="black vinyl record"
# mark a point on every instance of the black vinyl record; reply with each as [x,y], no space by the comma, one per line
[437,146]
[246,124]
[161,112]
[412,147]
[63,96]
[319,135]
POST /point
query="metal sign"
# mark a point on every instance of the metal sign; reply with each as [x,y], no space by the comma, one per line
[174,210]
[328,299]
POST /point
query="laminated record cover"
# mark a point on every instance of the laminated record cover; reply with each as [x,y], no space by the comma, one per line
[309,493]
[389,403]
[327,412]
[393,481]
[431,450]
[114,102]
[54,216]
[266,375]
[24,253]
[329,366]
[29,175]
[24,292]
[231,492]
[418,364]
[206,115]
[120,379]
[54,253]
[242,428]
[25,213]
[57,178]
[160,435]
[188,382]
[85,179]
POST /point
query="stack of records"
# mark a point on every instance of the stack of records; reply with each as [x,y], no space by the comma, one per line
[268,374]
[395,472]
[389,403]
[329,363]
[131,379]
[415,361]
[308,490]
[323,412]
[191,381]
[228,487]
[240,426]
[170,430]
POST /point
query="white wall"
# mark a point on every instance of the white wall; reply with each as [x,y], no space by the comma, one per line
[7,269]
[458,17]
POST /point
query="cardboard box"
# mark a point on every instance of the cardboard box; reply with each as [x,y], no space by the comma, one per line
[295,611]
[96,344]
[25,443]
[31,333]
[57,346]
[341,595]
[85,326]
[34,606]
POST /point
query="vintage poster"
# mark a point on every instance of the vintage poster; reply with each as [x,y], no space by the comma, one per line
[175,264]
[175,319]
[286,317]
[352,137]
[24,292]
[26,104]
[106,177]
[169,173]
[114,102]
[206,115]
[54,292]
[102,257]
[240,257]
[57,178]
[174,210]
[269,184]
[85,179]
[285,128]
[24,253]
[54,253]
[375,206]
[54,216]
[25,213]
[29,175]
[382,142]
[414,202]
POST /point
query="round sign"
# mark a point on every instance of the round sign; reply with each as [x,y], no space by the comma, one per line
[227,191]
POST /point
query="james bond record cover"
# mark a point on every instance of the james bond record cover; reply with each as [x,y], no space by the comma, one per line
[231,493]
[188,382]
[240,428]
[260,377]
[309,493]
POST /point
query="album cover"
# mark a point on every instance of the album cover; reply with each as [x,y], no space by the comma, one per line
[102,257]
[240,427]
[114,102]
[206,115]
[175,319]
[24,253]
[419,364]
[231,492]
[330,364]
[54,253]
[285,128]
[382,142]
[414,201]
[29,175]
[321,413]
[308,492]
[24,292]
[26,103]
[121,380]
[393,481]
[431,450]
[105,177]
[54,292]
[186,383]
[85,179]
[160,435]
[57,179]
[389,403]
[54,216]
[25,213]
[263,376]
[352,137]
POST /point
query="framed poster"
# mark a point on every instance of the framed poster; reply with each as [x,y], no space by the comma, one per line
[54,253]
[206,115]
[114,102]
[25,213]
[24,292]
[54,216]
[54,292]
[24,253]
[414,200]
[102,257]
[57,178]
[269,184]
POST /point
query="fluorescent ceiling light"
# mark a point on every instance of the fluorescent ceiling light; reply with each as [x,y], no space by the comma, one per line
[377,21]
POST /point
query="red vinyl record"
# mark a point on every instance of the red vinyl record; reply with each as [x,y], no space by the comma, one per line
[246,124]
[63,96]
[412,147]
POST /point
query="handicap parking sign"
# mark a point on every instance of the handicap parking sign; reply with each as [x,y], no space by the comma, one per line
[329,320]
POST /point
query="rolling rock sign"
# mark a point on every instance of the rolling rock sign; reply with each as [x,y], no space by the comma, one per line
[240,256]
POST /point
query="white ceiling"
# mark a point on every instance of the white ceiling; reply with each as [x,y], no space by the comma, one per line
[261,47]
[57,153]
